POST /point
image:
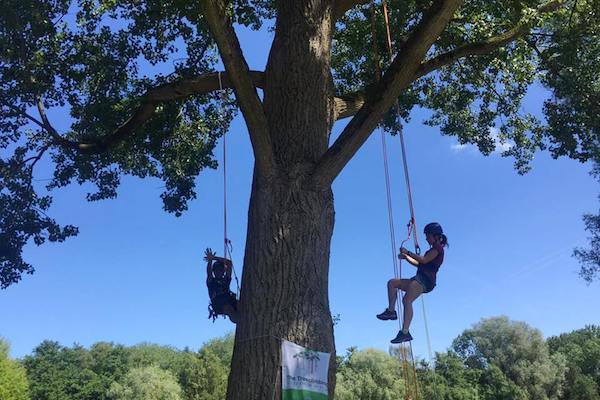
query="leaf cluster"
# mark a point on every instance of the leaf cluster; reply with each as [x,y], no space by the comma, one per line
[479,99]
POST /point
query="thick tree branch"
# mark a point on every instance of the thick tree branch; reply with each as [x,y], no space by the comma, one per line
[399,76]
[341,7]
[181,89]
[486,46]
[239,73]
[348,105]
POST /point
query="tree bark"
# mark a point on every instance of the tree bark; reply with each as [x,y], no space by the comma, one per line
[284,285]
[284,292]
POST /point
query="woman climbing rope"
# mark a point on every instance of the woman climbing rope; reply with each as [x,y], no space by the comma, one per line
[423,282]
[218,279]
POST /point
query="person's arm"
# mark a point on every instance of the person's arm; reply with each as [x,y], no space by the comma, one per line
[410,260]
[416,259]
[209,256]
[209,268]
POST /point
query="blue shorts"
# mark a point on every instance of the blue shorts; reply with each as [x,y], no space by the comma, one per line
[424,281]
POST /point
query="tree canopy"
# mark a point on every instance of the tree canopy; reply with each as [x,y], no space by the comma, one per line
[515,358]
[138,81]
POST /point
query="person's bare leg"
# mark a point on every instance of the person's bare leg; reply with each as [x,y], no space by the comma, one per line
[393,286]
[414,290]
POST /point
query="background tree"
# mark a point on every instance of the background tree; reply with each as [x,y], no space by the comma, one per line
[146,383]
[450,379]
[204,374]
[369,374]
[469,62]
[61,373]
[514,357]
[109,362]
[13,380]
[581,349]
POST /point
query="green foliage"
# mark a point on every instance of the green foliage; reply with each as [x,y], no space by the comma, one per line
[204,375]
[450,379]
[581,349]
[148,354]
[369,375]
[146,383]
[98,61]
[589,259]
[91,60]
[58,372]
[514,357]
[479,99]
[497,359]
[113,372]
[569,54]
[13,380]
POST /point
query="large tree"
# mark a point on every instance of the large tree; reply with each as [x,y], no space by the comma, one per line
[469,61]
[514,358]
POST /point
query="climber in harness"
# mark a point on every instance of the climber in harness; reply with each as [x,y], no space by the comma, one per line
[423,282]
[218,278]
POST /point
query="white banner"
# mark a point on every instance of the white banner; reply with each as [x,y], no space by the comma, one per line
[304,373]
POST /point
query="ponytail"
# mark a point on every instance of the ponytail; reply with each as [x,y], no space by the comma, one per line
[444,240]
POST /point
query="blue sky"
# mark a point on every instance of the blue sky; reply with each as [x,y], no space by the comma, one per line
[135,274]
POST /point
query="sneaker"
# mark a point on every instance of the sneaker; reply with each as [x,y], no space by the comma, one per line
[402,337]
[387,314]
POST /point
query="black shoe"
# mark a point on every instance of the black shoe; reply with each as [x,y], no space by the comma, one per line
[387,314]
[402,337]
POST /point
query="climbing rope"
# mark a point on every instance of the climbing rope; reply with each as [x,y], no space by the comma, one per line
[227,246]
[412,221]
[412,225]
[405,352]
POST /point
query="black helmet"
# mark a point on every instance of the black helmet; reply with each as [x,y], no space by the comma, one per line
[433,228]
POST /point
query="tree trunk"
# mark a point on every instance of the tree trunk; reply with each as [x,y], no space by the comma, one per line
[284,292]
